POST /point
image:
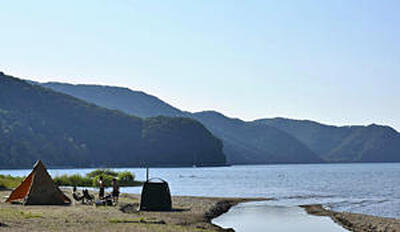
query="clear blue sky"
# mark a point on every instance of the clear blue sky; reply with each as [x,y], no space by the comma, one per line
[335,61]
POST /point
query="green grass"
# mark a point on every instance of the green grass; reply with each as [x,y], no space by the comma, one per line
[126,220]
[73,180]
[91,179]
[30,214]
[9,182]
[137,220]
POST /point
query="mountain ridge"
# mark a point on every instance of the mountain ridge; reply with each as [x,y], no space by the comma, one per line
[343,143]
[330,143]
[40,123]
[106,92]
[252,139]
[239,150]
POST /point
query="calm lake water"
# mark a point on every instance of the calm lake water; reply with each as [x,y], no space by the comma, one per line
[372,189]
[258,217]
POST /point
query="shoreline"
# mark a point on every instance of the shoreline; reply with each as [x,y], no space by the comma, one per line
[4,168]
[190,213]
[355,221]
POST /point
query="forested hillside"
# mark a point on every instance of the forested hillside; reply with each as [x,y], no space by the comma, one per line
[252,143]
[371,143]
[39,123]
[244,142]
[131,102]
[263,141]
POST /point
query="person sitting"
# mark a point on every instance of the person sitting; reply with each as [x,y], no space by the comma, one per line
[115,192]
[76,195]
[88,197]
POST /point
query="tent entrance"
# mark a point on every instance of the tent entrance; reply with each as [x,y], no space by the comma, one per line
[22,190]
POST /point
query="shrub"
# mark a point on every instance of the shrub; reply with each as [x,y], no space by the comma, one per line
[92,179]
[126,178]
[74,180]
[8,181]
[102,172]
[106,180]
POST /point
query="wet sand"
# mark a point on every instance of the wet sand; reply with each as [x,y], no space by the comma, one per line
[357,222]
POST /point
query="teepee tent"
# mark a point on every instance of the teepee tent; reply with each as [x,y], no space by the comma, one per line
[38,189]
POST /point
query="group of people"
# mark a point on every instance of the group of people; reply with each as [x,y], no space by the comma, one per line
[86,198]
[115,190]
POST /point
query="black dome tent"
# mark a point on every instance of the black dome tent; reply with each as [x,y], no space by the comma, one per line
[155,196]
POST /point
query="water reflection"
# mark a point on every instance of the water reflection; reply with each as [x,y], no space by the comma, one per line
[261,217]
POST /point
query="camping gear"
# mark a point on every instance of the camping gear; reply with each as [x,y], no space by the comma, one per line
[89,198]
[38,189]
[85,198]
[78,197]
[106,201]
[99,203]
[155,196]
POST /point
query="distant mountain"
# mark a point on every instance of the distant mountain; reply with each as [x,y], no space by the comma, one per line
[262,141]
[244,142]
[254,143]
[39,123]
[372,143]
[131,102]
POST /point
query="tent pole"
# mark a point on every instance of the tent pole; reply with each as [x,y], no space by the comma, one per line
[147,173]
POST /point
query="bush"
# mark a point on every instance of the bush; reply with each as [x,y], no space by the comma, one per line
[92,179]
[106,180]
[74,180]
[102,172]
[8,181]
[126,178]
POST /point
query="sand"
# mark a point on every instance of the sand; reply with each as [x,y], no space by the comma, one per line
[189,214]
[356,222]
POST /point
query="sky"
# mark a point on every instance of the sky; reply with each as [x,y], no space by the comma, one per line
[336,62]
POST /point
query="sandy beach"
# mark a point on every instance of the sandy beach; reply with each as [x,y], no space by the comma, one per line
[189,214]
[356,222]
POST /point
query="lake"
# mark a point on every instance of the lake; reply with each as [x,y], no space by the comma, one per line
[369,188]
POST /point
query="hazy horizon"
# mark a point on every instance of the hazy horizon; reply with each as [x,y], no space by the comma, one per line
[332,62]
